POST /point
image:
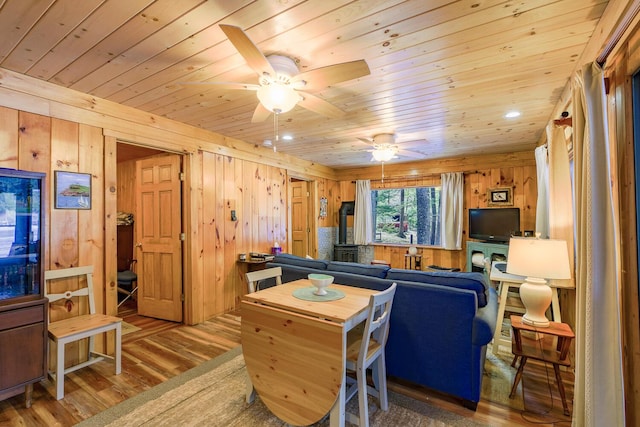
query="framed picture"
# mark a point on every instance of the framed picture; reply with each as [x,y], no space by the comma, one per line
[502,196]
[72,190]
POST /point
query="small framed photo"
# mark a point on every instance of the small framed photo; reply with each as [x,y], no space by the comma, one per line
[72,190]
[502,196]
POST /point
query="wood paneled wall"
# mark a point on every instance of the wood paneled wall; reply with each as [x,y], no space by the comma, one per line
[516,170]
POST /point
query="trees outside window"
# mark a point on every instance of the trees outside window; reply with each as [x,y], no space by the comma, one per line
[407,215]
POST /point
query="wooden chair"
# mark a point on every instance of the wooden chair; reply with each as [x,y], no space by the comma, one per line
[367,350]
[79,327]
[254,277]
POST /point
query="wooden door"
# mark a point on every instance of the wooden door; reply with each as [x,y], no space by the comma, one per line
[159,244]
[299,218]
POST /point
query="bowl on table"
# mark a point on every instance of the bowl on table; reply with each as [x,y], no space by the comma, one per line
[320,281]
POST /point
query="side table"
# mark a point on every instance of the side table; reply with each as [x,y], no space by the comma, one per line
[542,349]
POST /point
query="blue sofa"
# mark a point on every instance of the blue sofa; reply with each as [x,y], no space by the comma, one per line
[441,322]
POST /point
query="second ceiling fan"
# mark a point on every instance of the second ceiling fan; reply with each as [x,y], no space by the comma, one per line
[282,86]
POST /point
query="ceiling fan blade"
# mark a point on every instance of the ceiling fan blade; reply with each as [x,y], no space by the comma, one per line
[249,51]
[224,85]
[322,77]
[320,106]
[366,140]
[412,154]
[260,114]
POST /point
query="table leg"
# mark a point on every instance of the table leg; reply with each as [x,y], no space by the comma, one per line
[518,377]
[497,336]
[338,413]
[565,407]
[249,390]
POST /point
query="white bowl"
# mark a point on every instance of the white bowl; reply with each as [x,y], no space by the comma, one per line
[320,281]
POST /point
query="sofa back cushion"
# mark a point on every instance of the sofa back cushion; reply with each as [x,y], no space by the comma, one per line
[289,259]
[463,280]
[379,271]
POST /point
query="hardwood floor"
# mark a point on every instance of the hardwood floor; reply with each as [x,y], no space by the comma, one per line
[161,350]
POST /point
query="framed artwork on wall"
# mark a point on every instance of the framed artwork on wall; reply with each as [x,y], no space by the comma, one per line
[502,196]
[72,190]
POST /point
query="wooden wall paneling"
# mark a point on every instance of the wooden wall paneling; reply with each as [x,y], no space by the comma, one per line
[230,234]
[8,138]
[220,219]
[64,232]
[280,207]
[245,220]
[110,189]
[530,198]
[34,154]
[209,239]
[126,189]
[193,227]
[233,299]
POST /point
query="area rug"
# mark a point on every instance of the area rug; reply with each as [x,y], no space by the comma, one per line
[498,378]
[127,328]
[213,394]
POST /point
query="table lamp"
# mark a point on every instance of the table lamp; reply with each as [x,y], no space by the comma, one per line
[537,260]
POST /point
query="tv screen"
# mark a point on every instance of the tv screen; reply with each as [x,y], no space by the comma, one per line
[494,225]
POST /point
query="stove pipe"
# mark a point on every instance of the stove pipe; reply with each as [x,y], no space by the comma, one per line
[346,208]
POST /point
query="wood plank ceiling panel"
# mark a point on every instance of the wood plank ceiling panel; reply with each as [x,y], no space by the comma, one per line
[443,72]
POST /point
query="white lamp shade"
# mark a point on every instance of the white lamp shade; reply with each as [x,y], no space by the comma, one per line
[277,97]
[539,258]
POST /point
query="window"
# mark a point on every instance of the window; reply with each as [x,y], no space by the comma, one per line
[407,215]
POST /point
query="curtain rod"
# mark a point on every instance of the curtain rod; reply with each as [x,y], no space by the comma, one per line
[621,28]
[409,177]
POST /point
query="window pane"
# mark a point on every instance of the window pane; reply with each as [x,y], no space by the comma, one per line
[407,215]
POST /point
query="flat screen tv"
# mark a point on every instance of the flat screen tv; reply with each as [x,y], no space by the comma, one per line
[494,225]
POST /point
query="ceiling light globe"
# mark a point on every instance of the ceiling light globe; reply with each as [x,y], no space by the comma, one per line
[383,154]
[277,96]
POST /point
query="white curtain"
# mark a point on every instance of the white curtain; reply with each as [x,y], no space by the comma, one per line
[542,207]
[560,196]
[362,222]
[451,199]
[599,388]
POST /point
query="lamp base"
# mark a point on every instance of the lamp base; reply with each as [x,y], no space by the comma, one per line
[536,297]
[535,323]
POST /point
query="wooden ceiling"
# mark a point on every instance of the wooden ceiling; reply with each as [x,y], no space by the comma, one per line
[443,72]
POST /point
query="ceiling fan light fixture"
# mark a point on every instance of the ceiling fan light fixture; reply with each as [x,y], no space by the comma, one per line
[383,154]
[278,97]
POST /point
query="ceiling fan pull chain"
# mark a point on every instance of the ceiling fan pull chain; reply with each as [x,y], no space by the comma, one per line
[275,129]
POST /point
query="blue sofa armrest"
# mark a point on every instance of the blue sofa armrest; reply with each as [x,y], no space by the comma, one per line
[484,323]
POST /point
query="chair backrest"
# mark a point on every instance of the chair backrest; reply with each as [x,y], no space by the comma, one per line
[254,277]
[377,324]
[67,273]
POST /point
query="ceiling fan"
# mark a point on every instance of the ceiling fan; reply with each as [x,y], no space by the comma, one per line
[281,86]
[386,148]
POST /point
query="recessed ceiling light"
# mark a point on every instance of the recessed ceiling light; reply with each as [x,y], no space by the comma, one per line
[512,114]
[287,138]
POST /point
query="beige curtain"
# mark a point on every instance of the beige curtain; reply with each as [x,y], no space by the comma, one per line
[451,202]
[560,219]
[362,222]
[542,204]
[598,397]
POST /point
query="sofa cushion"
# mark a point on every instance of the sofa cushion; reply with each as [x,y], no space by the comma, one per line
[379,271]
[300,261]
[463,280]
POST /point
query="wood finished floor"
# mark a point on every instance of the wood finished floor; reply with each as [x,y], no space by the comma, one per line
[161,350]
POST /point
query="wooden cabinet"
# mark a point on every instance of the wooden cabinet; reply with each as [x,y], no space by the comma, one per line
[23,345]
[23,308]
[493,251]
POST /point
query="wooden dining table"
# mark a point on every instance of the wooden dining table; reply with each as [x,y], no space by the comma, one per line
[294,349]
